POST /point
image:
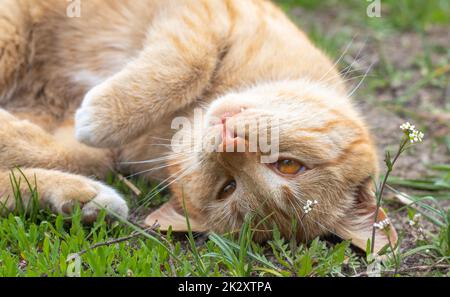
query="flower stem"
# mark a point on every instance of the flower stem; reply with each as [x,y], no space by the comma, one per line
[382,187]
[396,259]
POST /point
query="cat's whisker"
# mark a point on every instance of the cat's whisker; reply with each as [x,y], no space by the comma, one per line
[299,218]
[361,81]
[180,174]
[161,138]
[355,77]
[222,215]
[347,71]
[162,144]
[357,57]
[170,156]
[350,69]
[166,180]
[203,105]
[343,81]
[339,59]
[323,82]
[167,139]
[168,145]
[154,193]
[160,167]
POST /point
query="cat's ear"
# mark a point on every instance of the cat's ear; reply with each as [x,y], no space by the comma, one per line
[172,214]
[357,225]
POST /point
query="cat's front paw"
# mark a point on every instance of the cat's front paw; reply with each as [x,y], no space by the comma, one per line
[108,199]
[94,120]
[109,116]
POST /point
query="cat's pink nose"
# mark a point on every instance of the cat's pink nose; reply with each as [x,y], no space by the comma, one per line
[221,115]
[231,142]
[225,117]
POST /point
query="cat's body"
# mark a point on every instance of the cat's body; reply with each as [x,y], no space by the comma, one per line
[139,64]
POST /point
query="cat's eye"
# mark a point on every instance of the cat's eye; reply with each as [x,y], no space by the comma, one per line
[227,189]
[289,167]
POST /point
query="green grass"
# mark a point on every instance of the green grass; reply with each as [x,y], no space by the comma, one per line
[434,190]
[35,242]
[44,246]
[404,15]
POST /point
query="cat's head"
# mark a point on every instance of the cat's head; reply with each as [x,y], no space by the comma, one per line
[317,180]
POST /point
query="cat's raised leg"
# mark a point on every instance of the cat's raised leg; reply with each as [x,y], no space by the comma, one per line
[172,71]
[60,191]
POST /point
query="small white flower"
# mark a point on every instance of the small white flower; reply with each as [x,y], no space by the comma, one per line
[382,224]
[415,220]
[412,133]
[309,205]
[407,127]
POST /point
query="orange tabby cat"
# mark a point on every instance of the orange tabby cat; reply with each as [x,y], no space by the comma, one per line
[81,96]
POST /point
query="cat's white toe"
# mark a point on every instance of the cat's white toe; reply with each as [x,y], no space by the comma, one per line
[108,199]
[88,128]
[84,130]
